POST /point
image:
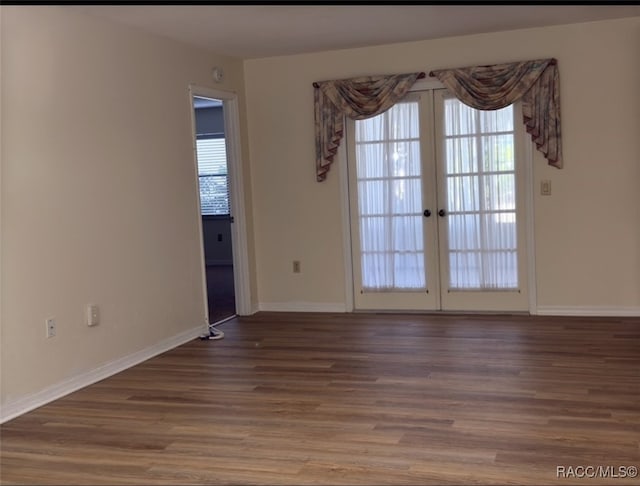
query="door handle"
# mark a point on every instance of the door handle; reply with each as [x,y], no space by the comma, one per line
[442,213]
[427,213]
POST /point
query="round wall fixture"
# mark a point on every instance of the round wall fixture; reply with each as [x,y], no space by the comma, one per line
[218,74]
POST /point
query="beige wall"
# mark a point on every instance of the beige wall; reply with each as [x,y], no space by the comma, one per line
[98,192]
[587,232]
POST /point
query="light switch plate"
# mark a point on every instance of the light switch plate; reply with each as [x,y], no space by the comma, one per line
[93,315]
[545,187]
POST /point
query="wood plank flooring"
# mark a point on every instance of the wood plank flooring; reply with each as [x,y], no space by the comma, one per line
[352,399]
[220,292]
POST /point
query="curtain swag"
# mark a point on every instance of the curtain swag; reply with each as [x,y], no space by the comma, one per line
[534,82]
[357,98]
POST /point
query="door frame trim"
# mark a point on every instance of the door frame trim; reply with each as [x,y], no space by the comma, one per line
[343,174]
[239,244]
[529,212]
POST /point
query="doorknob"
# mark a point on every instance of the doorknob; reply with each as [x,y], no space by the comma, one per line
[427,213]
[442,213]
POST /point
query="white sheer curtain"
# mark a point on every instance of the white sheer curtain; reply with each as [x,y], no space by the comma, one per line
[390,199]
[481,197]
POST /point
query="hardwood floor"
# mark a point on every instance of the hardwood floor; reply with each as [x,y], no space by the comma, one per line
[220,292]
[352,399]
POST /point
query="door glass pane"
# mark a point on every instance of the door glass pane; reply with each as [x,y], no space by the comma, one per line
[498,152]
[372,197]
[376,270]
[464,269]
[464,232]
[408,271]
[405,237]
[459,119]
[370,160]
[496,120]
[407,196]
[500,192]
[461,155]
[371,129]
[405,159]
[402,121]
[500,231]
[463,193]
[388,173]
[481,197]
[373,233]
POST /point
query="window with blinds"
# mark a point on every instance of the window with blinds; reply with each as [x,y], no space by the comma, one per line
[212,173]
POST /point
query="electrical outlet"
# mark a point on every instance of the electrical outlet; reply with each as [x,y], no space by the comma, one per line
[296,266]
[545,187]
[93,315]
[51,327]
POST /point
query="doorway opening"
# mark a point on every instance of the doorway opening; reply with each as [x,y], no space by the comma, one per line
[215,207]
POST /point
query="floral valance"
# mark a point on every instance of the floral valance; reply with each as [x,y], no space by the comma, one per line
[357,98]
[536,83]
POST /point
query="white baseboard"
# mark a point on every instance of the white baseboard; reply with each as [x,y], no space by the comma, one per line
[254,308]
[32,401]
[302,307]
[587,311]
[584,311]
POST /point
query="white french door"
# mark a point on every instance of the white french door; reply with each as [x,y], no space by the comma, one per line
[436,207]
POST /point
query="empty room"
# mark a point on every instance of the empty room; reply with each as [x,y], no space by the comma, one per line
[320,244]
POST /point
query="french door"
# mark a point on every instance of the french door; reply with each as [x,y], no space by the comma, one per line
[436,206]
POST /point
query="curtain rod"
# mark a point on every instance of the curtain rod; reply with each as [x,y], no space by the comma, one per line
[420,76]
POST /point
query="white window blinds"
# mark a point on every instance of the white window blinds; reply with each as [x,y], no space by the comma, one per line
[212,173]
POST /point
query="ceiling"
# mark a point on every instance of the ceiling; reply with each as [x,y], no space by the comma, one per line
[250,31]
